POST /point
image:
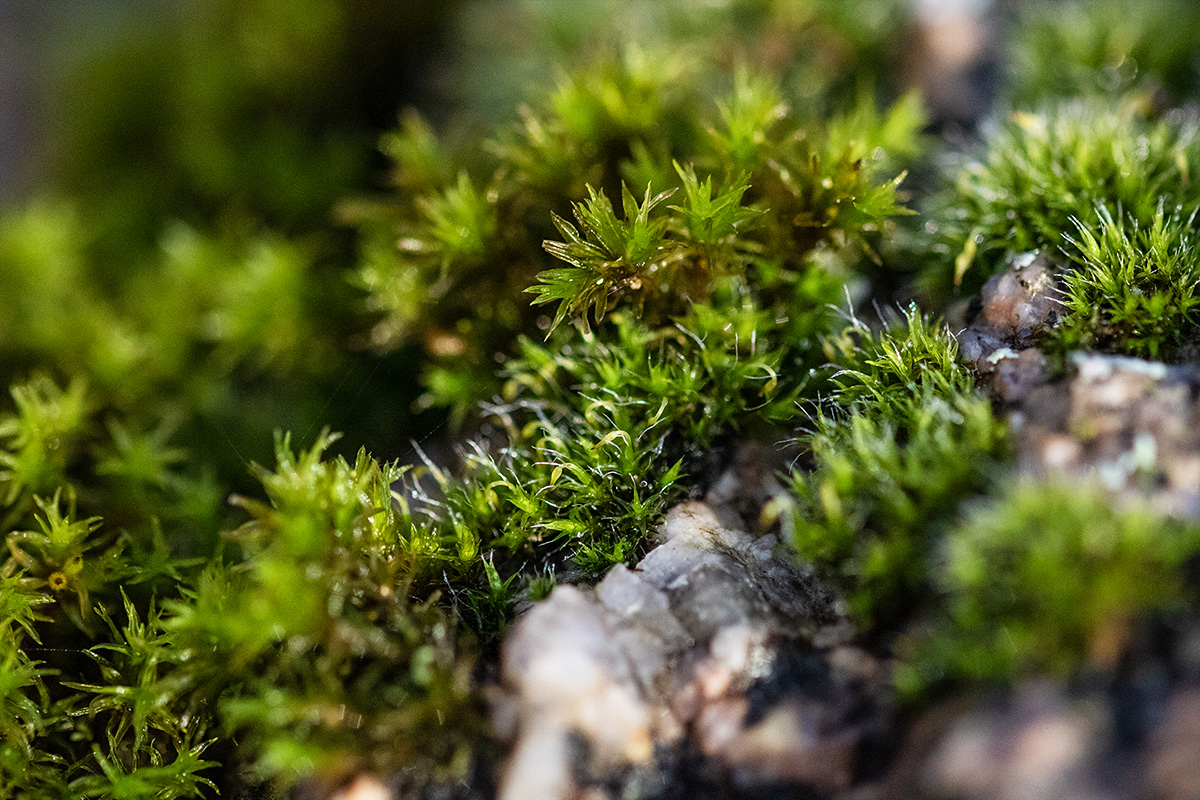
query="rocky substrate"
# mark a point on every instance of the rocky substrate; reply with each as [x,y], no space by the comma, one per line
[1133,425]
[718,668]
[714,668]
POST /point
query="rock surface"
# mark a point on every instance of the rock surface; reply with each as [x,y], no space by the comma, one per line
[1035,743]
[1133,425]
[714,668]
[1018,305]
[1137,735]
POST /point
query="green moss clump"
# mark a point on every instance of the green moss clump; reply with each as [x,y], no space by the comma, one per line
[61,443]
[1107,190]
[902,440]
[1042,171]
[749,175]
[313,637]
[1046,578]
[608,429]
[1135,290]
[207,332]
[64,457]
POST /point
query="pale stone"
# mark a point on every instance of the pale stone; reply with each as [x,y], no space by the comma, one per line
[598,684]
[364,787]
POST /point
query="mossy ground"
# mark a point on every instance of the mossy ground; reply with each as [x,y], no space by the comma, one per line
[669,251]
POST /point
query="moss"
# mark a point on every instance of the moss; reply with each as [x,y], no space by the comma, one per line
[1043,170]
[1048,578]
[1103,47]
[902,440]
[640,268]
[1107,190]
[749,175]
[215,331]
[1134,293]
[304,671]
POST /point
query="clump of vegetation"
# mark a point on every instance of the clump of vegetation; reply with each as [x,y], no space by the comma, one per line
[604,432]
[1135,290]
[56,444]
[124,725]
[1106,189]
[1045,578]
[748,175]
[1044,170]
[307,639]
[901,440]
[212,337]
[313,636]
